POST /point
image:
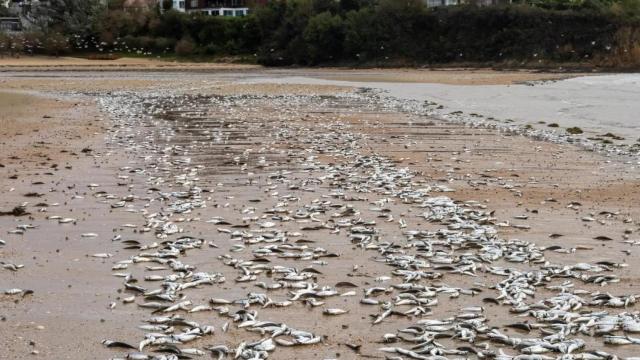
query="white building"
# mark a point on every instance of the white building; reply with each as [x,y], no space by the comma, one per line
[436,3]
[213,7]
[179,5]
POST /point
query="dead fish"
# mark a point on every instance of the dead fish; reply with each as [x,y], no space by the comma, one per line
[153,305]
[313,302]
[218,301]
[520,326]
[195,352]
[16,291]
[617,340]
[117,344]
[535,349]
[346,284]
[12,267]
[221,351]
[369,301]
[200,308]
[137,356]
[334,311]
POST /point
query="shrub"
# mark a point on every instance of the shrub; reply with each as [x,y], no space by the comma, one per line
[325,35]
[597,32]
[55,44]
[185,47]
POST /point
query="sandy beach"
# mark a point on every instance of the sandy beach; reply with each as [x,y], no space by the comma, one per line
[254,189]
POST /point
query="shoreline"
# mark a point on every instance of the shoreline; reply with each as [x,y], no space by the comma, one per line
[184,63]
[443,75]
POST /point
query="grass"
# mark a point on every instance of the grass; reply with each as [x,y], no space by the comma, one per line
[553,125]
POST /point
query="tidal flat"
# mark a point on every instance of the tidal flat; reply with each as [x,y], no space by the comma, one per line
[298,214]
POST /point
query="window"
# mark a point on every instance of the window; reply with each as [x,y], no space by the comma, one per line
[228,13]
[194,3]
[239,12]
[181,4]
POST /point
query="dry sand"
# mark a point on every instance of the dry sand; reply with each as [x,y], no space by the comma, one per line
[449,76]
[446,76]
[68,315]
[139,64]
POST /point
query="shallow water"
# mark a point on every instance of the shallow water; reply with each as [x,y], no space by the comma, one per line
[596,104]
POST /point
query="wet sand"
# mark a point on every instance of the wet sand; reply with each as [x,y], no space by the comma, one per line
[43,63]
[509,174]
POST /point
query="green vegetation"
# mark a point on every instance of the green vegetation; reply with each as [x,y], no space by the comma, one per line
[613,136]
[356,32]
[553,125]
[574,130]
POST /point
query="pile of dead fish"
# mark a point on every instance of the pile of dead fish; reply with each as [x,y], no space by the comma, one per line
[461,241]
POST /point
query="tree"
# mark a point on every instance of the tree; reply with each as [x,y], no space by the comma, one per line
[627,8]
[324,36]
[4,11]
[167,5]
[115,4]
[72,17]
[55,44]
[348,5]
[320,6]
[185,46]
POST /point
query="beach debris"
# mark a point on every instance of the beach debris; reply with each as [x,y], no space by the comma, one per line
[274,203]
[16,211]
